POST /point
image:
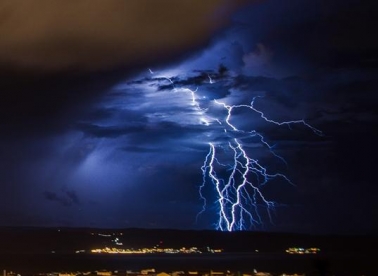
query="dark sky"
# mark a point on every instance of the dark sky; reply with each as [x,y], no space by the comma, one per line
[108,110]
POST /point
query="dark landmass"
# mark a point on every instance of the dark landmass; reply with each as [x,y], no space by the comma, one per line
[68,240]
[34,250]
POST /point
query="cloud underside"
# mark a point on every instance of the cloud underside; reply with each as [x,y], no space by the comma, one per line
[90,35]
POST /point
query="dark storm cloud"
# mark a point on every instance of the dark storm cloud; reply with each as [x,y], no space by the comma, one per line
[41,39]
[136,146]
[44,104]
[167,135]
[89,35]
[142,149]
[317,34]
[200,78]
[108,131]
[65,198]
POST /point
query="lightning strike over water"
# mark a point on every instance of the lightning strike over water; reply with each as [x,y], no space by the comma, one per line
[229,169]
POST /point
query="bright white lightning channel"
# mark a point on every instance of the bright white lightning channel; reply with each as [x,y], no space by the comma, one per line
[239,194]
[238,181]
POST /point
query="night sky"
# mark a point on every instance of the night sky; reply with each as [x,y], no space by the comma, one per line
[99,127]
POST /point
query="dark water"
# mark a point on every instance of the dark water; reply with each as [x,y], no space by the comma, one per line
[331,264]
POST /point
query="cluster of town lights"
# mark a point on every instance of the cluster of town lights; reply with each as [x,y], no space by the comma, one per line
[183,250]
[300,250]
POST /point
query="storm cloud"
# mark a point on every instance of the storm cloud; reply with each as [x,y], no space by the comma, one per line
[107,110]
[91,35]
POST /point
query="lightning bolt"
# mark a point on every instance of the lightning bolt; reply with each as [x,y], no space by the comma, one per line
[239,195]
[237,178]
